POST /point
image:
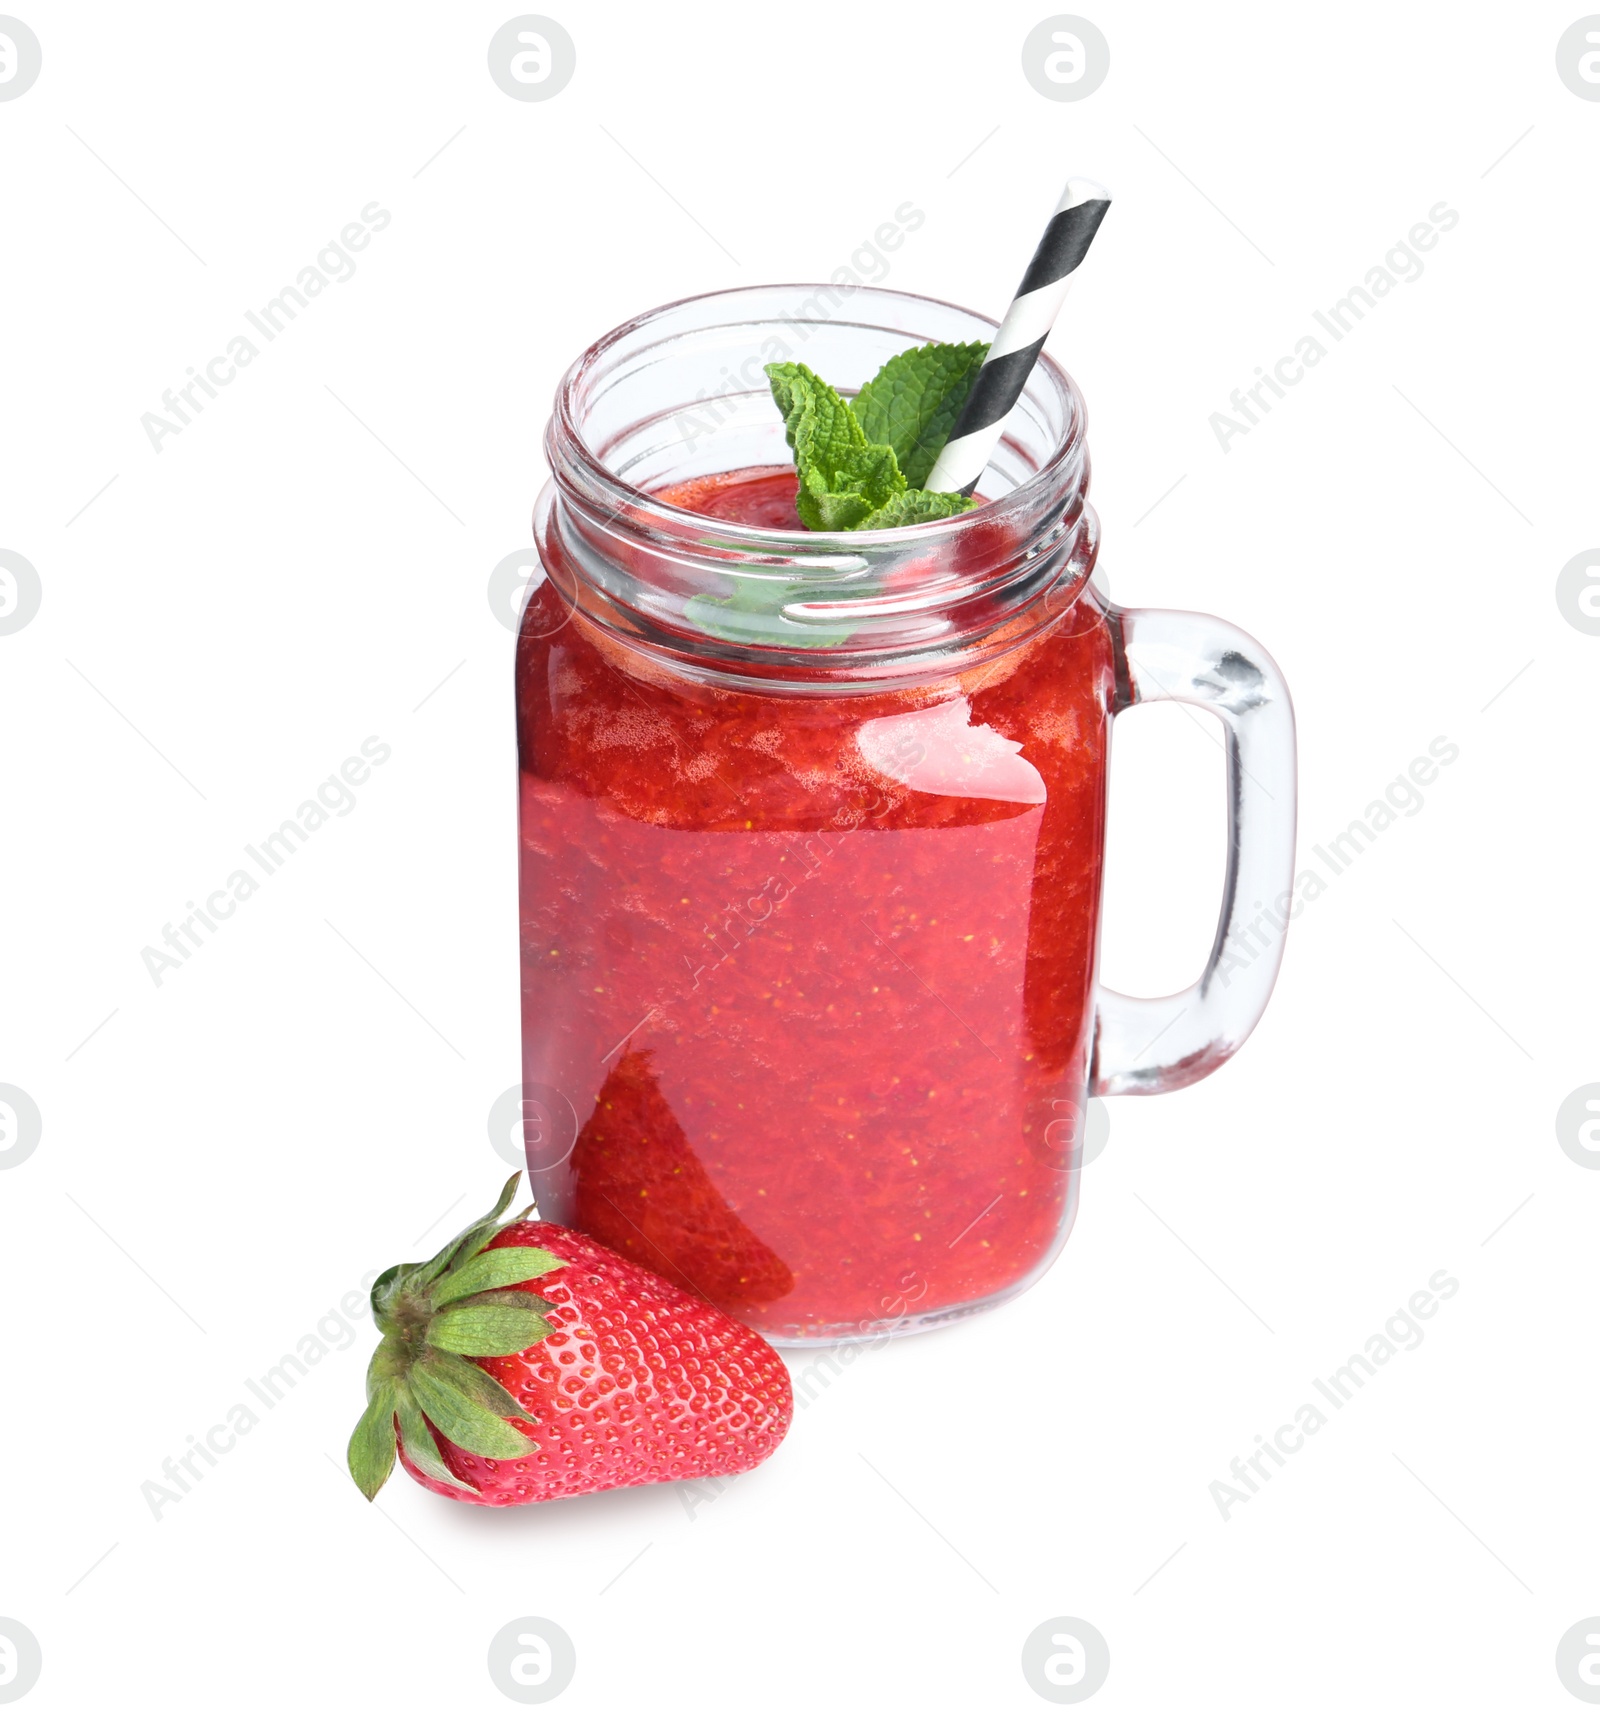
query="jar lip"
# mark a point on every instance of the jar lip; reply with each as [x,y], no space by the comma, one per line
[574,462]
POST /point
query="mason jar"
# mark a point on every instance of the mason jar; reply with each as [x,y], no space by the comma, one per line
[812,829]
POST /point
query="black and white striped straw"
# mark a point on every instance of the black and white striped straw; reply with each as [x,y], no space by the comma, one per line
[1000,380]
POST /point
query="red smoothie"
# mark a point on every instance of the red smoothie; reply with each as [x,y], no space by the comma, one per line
[809,976]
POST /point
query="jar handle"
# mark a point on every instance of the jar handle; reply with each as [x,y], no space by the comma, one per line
[1153,1045]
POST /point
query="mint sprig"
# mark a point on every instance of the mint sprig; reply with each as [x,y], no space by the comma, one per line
[861,462]
[914,401]
[917,507]
[843,477]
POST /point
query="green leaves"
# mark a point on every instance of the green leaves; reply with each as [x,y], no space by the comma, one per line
[843,477]
[913,402]
[486,1330]
[433,1314]
[462,1247]
[493,1269]
[422,1448]
[857,460]
[467,1405]
[915,508]
[371,1451]
[479,1316]
[462,1420]
[473,1384]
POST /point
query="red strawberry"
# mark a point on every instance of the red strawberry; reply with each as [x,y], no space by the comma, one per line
[528,1362]
[643,1192]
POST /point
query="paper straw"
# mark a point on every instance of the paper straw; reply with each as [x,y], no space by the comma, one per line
[1004,373]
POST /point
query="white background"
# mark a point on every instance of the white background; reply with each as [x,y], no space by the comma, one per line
[307,563]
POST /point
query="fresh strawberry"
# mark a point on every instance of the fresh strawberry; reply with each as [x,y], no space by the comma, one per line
[526,1361]
[642,1191]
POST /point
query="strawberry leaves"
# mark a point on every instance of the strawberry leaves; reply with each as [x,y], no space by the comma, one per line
[463,1246]
[453,1374]
[462,1421]
[372,1445]
[421,1447]
[432,1315]
[486,1331]
[494,1270]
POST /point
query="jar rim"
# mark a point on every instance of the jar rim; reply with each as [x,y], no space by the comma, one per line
[574,462]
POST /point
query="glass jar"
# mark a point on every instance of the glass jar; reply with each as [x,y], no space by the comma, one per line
[812,828]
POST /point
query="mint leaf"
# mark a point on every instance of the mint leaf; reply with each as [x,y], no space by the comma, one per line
[830,510]
[843,476]
[860,462]
[822,430]
[913,402]
[864,478]
[793,388]
[915,508]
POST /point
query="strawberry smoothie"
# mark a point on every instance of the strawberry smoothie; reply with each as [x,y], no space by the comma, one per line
[807,977]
